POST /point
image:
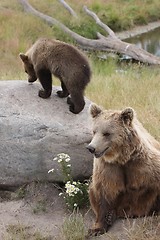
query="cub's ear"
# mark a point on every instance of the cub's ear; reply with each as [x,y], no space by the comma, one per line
[127,115]
[94,110]
[23,57]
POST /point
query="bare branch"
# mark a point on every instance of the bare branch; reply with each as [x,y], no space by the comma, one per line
[82,41]
[111,43]
[52,21]
[98,21]
[70,10]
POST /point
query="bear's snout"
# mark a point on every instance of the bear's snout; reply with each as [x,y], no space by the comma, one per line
[91,149]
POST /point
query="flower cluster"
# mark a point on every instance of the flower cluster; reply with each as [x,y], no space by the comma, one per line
[62,157]
[71,188]
[74,193]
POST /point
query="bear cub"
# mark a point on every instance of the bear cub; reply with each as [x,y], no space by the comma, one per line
[64,61]
[126,169]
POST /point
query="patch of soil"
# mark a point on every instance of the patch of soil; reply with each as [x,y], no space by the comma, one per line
[41,209]
[37,207]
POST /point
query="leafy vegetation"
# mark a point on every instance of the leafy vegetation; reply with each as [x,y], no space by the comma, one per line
[73,227]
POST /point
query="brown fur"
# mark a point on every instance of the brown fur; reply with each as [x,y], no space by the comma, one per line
[126,171]
[47,57]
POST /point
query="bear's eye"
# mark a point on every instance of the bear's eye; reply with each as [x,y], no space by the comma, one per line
[26,71]
[107,134]
[94,132]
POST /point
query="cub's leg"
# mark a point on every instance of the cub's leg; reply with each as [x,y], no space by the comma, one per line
[45,79]
[105,215]
[64,93]
[76,102]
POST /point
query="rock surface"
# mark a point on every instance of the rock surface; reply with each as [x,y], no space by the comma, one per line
[34,130]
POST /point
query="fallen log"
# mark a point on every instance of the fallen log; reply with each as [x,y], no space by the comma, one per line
[110,43]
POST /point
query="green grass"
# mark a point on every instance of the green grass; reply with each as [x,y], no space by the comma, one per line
[123,14]
[73,228]
[135,86]
[146,228]
[118,14]
[17,32]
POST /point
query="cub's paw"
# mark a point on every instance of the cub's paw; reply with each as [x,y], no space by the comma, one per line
[71,105]
[71,109]
[74,109]
[62,94]
[44,94]
[69,101]
[31,80]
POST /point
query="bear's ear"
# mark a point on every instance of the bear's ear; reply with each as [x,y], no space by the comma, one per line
[95,110]
[127,115]
[23,57]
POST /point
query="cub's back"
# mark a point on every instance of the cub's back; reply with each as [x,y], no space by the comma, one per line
[45,48]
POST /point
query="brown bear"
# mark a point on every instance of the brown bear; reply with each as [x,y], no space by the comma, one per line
[47,57]
[126,169]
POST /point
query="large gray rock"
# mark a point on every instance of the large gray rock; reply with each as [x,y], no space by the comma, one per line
[34,130]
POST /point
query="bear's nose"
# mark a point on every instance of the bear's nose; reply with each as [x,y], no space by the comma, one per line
[91,149]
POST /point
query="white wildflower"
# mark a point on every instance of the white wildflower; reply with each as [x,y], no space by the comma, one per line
[76,190]
[63,155]
[67,185]
[71,194]
[67,159]
[60,154]
[59,160]
[68,165]
[51,170]
[60,194]
[75,205]
[71,189]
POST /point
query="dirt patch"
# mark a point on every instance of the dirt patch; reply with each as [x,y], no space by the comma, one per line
[41,209]
[32,210]
[37,212]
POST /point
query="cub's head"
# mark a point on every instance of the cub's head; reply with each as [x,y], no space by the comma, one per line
[28,67]
[111,132]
